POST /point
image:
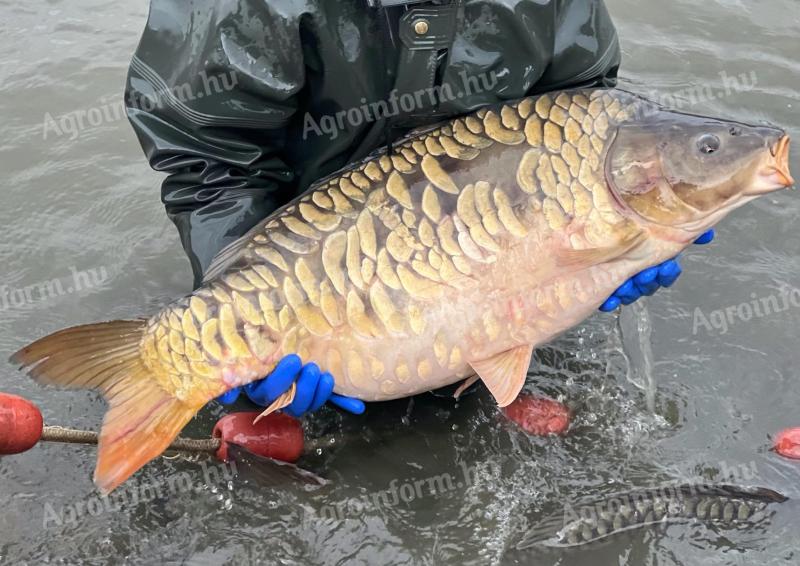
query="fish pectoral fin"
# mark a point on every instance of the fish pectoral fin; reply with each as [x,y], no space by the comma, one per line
[504,374]
[597,256]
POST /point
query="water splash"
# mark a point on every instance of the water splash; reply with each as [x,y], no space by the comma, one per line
[635,329]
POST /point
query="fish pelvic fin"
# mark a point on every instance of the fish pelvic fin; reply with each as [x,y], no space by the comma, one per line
[504,374]
[143,418]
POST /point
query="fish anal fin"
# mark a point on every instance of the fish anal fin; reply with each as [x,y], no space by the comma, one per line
[464,385]
[284,400]
[504,373]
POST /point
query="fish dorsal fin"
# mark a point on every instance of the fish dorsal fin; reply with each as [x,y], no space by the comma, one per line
[504,373]
[597,256]
[226,257]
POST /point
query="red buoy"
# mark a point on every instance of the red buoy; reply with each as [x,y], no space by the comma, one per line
[538,416]
[276,435]
[787,443]
[20,424]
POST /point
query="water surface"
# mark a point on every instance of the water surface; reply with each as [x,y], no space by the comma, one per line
[84,209]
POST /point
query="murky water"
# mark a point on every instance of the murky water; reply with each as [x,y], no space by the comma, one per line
[85,234]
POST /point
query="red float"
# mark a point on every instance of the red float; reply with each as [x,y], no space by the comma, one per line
[787,443]
[20,424]
[276,436]
[538,416]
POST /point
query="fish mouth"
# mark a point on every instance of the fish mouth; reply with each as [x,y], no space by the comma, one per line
[774,175]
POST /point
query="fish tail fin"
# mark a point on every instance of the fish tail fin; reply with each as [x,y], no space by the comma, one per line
[143,418]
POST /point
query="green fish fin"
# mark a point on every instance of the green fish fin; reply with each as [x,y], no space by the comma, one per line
[143,418]
[598,256]
[504,373]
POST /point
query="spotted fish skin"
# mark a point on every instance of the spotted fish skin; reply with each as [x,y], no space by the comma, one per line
[396,273]
[725,506]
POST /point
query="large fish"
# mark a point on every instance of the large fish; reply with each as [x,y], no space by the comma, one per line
[473,242]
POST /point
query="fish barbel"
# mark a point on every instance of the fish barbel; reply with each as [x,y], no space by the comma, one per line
[453,256]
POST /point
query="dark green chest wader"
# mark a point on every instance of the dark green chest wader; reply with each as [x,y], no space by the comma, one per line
[424,36]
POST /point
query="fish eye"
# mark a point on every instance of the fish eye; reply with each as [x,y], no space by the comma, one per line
[708,143]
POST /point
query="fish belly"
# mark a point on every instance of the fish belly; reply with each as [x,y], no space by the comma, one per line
[470,327]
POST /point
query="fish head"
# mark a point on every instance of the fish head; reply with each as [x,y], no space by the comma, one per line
[683,173]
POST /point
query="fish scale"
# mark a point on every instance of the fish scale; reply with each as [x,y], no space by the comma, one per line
[340,269]
[471,243]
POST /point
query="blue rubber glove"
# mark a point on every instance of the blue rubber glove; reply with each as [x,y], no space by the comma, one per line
[314,388]
[650,280]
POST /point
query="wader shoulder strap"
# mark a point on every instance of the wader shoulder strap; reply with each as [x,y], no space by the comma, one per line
[425,33]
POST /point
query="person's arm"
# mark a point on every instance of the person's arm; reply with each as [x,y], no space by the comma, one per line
[210,93]
[586,50]
[209,99]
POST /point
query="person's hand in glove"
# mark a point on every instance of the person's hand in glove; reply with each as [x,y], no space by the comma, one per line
[650,280]
[314,389]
